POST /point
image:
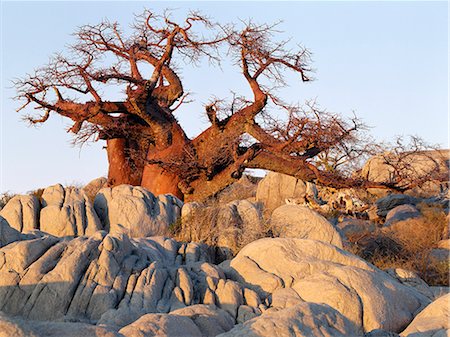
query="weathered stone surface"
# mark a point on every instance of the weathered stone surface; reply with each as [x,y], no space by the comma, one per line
[401,213]
[229,296]
[294,221]
[410,278]
[48,278]
[323,273]
[135,211]
[67,212]
[275,188]
[7,233]
[94,186]
[302,320]
[440,255]
[151,325]
[210,320]
[352,227]
[14,327]
[433,321]
[385,204]
[22,212]
[381,333]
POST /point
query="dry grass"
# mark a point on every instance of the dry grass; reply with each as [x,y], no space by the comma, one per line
[408,244]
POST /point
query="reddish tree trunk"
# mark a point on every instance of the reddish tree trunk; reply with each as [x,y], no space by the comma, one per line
[120,168]
[159,181]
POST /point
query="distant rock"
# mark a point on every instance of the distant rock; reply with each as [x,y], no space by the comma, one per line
[67,212]
[294,221]
[354,227]
[401,213]
[433,321]
[322,273]
[389,202]
[275,188]
[136,211]
[416,164]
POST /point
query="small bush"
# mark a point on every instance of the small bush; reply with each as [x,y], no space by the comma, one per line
[407,245]
[5,197]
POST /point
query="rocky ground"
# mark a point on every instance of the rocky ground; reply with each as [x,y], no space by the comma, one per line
[285,259]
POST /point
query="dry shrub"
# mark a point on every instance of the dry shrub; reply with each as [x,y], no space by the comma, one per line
[407,245]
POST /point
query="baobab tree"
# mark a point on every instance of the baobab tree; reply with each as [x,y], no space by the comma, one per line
[145,143]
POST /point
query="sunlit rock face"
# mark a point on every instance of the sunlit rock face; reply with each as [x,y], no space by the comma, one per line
[433,321]
[323,273]
[136,211]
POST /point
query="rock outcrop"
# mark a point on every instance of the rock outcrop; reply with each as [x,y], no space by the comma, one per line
[433,321]
[22,212]
[135,211]
[294,221]
[323,273]
[275,188]
[67,212]
[302,320]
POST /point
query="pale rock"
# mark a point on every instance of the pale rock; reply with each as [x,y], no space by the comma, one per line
[294,221]
[166,325]
[303,320]
[210,320]
[284,298]
[135,211]
[350,227]
[433,321]
[94,186]
[245,313]
[185,284]
[323,273]
[120,317]
[229,296]
[275,188]
[67,212]
[14,327]
[22,212]
[251,298]
[401,213]
[410,278]
[440,255]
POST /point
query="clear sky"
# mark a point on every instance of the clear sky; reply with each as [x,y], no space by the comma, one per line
[387,61]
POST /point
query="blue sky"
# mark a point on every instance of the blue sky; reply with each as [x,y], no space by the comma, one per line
[387,61]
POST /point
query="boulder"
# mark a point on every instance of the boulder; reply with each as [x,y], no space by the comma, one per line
[412,165]
[302,320]
[350,227]
[433,321]
[294,221]
[440,255]
[196,320]
[8,234]
[385,204]
[22,212]
[275,188]
[323,273]
[135,211]
[411,279]
[67,212]
[94,186]
[401,213]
